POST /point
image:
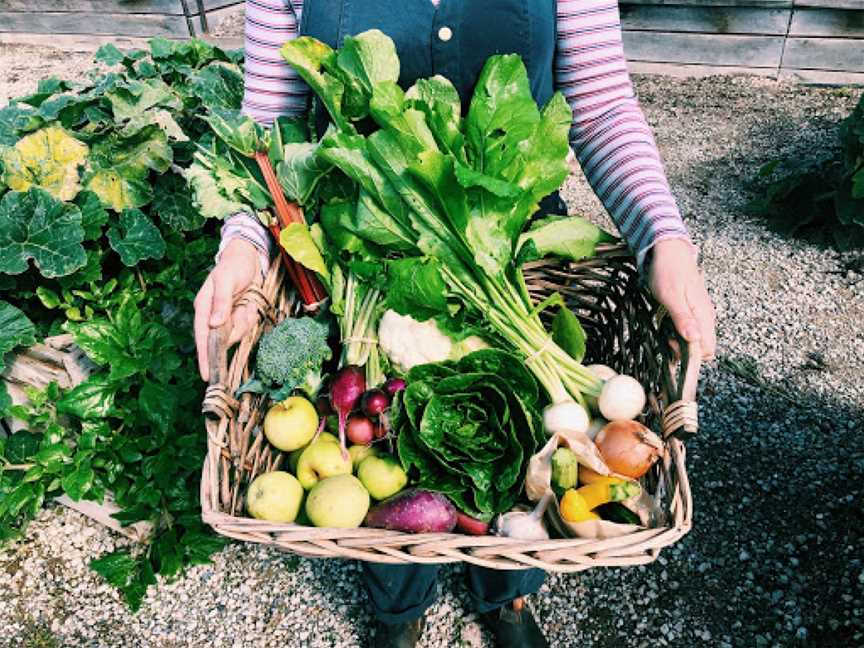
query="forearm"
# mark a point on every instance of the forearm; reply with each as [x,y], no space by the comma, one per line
[271,89]
[610,136]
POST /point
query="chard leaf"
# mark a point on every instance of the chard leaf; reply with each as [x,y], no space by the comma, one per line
[34,225]
[241,133]
[208,197]
[568,237]
[297,241]
[49,159]
[136,238]
[300,171]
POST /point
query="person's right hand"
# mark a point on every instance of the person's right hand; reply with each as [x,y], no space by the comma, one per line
[238,268]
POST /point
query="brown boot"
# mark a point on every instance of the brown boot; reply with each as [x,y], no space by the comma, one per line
[513,626]
[398,635]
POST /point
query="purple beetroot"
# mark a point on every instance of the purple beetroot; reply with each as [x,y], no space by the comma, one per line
[414,511]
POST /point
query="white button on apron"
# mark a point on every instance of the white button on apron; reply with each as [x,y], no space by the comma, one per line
[445,34]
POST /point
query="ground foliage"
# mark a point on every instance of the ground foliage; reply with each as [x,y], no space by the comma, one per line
[99,239]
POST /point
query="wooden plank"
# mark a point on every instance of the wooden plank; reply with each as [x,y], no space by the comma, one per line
[719,20]
[774,4]
[822,77]
[74,42]
[831,4]
[215,18]
[96,6]
[170,7]
[824,54]
[50,22]
[684,71]
[703,49]
[828,22]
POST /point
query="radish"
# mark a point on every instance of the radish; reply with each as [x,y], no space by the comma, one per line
[359,429]
[394,385]
[345,390]
[471,526]
[380,430]
[374,402]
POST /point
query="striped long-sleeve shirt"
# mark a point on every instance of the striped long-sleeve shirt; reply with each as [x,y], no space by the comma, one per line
[610,136]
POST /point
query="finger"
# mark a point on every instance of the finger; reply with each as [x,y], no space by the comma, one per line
[223,301]
[203,302]
[244,318]
[703,309]
[683,317]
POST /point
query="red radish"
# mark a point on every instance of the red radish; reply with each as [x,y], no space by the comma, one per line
[322,404]
[394,385]
[374,402]
[471,526]
[359,429]
[345,390]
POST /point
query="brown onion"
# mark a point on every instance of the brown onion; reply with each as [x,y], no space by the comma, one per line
[628,448]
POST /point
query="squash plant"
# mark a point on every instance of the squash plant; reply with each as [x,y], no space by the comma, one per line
[822,201]
[99,238]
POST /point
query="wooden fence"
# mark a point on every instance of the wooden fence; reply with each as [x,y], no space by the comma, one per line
[809,40]
[79,21]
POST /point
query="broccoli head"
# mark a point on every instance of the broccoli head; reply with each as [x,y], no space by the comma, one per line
[290,355]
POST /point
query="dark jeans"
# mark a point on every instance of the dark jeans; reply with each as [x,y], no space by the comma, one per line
[401,593]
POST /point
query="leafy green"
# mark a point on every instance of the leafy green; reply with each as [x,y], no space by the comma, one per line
[468,428]
[136,238]
[48,158]
[566,237]
[296,240]
[15,330]
[34,225]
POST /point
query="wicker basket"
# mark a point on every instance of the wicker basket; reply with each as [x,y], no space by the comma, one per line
[626,331]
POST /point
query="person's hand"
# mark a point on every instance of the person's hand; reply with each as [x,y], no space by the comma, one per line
[675,280]
[238,268]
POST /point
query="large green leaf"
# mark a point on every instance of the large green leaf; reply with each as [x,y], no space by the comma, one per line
[297,241]
[93,215]
[173,204]
[93,399]
[49,159]
[415,287]
[218,86]
[34,225]
[15,330]
[120,166]
[13,118]
[568,237]
[134,98]
[241,133]
[136,238]
[309,57]
[363,61]
[300,171]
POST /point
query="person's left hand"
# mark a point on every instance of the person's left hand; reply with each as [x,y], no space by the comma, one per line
[676,281]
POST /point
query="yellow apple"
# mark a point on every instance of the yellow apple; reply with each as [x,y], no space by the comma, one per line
[382,476]
[294,456]
[275,496]
[319,460]
[339,501]
[291,424]
[360,452]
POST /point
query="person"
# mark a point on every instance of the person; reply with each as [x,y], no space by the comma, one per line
[570,45]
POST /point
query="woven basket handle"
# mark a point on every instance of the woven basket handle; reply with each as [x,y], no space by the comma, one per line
[680,415]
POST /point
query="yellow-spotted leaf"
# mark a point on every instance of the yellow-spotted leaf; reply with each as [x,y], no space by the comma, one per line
[49,159]
[297,241]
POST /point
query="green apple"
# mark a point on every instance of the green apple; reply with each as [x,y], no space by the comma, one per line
[339,502]
[291,424]
[319,460]
[382,476]
[275,496]
[294,457]
[360,452]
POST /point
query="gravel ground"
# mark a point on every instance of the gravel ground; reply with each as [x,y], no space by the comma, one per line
[775,557]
